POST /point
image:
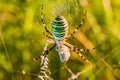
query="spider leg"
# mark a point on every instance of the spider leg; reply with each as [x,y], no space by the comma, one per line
[45,53]
[43,22]
[84,58]
[71,36]
[76,50]
[49,37]
[85,50]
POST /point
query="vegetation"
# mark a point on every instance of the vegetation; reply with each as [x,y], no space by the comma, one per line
[22,39]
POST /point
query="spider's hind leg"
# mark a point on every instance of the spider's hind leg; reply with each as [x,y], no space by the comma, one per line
[78,51]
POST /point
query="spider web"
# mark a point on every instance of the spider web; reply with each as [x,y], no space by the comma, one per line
[23,74]
[16,59]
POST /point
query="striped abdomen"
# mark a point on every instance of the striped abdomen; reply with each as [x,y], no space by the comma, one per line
[59,27]
[59,31]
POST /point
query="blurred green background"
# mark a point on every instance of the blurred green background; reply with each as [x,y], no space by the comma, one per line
[22,38]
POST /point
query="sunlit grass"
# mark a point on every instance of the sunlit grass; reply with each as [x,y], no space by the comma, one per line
[22,38]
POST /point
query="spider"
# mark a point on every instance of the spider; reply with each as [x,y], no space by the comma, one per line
[59,34]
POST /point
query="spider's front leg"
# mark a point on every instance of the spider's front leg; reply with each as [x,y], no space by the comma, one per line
[43,22]
[46,52]
[71,36]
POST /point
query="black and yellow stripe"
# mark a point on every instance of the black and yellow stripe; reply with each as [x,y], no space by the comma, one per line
[59,27]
